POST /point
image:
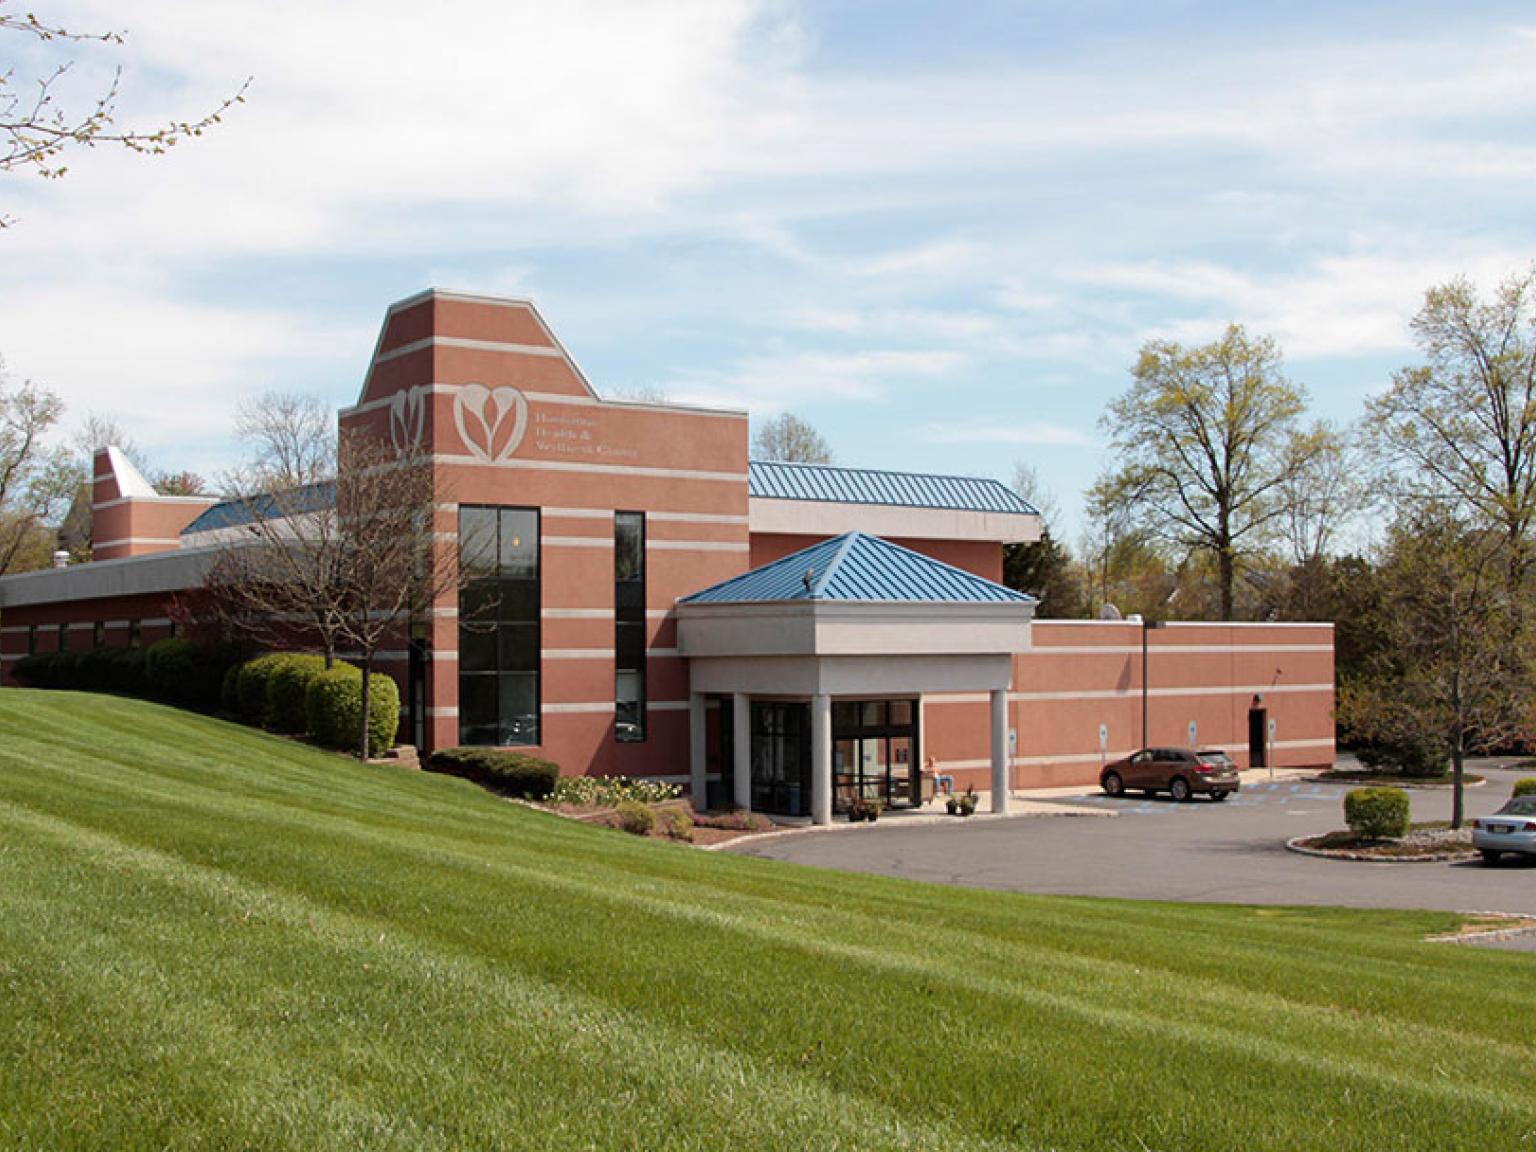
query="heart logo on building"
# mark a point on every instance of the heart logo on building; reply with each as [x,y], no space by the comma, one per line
[407,420]
[491,422]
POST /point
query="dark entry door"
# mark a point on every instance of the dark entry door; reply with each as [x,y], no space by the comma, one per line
[1258,737]
[781,757]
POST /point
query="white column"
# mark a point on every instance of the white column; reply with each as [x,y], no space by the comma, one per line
[741,756]
[821,759]
[1000,750]
[698,730]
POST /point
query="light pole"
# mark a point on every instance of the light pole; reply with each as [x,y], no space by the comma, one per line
[1146,626]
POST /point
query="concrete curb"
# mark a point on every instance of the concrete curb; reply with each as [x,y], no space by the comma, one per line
[1035,810]
[1525,929]
[1294,845]
[1427,787]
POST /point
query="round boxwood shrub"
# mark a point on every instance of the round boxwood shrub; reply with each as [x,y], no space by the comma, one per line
[172,667]
[1377,813]
[251,690]
[635,818]
[287,684]
[110,670]
[515,773]
[333,708]
[1525,786]
[35,671]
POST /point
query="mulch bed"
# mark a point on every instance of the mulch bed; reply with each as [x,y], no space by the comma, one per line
[709,828]
[1384,780]
[1423,843]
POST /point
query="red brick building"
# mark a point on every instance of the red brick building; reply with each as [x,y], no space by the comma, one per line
[593,519]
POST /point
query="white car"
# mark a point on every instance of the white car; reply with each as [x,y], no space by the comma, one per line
[1511,829]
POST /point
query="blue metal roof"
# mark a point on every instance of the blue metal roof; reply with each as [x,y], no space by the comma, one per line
[858,567]
[267,505]
[778,480]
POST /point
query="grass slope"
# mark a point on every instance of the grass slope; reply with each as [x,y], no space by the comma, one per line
[210,938]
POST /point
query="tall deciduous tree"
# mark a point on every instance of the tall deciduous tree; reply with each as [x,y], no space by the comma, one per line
[1208,438]
[1462,425]
[36,478]
[789,438]
[37,130]
[1454,674]
[345,571]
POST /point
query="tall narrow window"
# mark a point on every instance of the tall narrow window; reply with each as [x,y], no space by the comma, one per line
[31,639]
[98,634]
[135,634]
[499,625]
[629,625]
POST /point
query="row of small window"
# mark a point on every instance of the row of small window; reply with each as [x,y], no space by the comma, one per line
[98,635]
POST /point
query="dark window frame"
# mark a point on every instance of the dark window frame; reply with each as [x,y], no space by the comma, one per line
[495,622]
[629,616]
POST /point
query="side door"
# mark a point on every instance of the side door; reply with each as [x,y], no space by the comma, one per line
[1138,769]
[1164,766]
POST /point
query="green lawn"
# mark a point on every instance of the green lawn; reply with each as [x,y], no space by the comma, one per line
[210,939]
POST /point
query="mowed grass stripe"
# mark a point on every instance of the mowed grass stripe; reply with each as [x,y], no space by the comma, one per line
[182,1005]
[982,1016]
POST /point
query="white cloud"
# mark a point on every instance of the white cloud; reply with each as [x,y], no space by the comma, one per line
[767,384]
[1349,305]
[1005,431]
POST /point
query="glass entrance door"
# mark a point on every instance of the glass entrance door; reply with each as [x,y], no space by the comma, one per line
[873,753]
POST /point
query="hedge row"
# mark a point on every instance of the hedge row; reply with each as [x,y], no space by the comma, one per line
[515,773]
[294,693]
[177,670]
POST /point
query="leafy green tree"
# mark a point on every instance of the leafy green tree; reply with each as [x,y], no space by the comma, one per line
[1044,568]
[1209,438]
[1462,426]
[36,479]
[1454,674]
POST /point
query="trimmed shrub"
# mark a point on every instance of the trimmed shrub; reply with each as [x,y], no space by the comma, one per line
[35,671]
[287,684]
[229,691]
[514,773]
[252,688]
[333,709]
[186,672]
[172,667]
[111,670]
[635,818]
[677,824]
[1377,813]
[1525,786]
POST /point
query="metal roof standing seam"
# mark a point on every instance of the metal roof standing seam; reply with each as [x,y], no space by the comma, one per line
[781,480]
[858,567]
[233,513]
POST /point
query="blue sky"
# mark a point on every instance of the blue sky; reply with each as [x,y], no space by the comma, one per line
[938,232]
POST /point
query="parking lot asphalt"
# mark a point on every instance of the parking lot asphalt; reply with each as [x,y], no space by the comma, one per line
[1231,852]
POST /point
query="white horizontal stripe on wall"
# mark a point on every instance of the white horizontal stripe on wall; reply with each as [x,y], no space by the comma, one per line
[15,630]
[561,709]
[666,705]
[1156,693]
[578,654]
[443,712]
[471,345]
[696,518]
[657,613]
[577,542]
[519,462]
[577,613]
[579,513]
[662,653]
[698,546]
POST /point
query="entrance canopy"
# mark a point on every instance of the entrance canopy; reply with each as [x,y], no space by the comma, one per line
[855,617]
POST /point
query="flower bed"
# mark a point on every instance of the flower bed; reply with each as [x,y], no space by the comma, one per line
[1423,843]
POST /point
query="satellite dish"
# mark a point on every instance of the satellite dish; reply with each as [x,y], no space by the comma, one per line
[1109,612]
